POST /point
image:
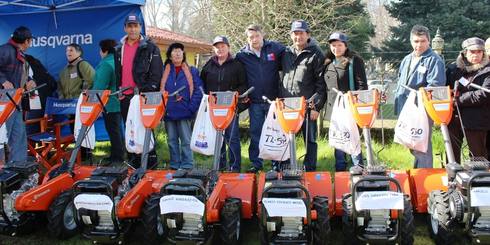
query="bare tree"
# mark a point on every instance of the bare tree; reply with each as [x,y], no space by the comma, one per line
[323,16]
[153,13]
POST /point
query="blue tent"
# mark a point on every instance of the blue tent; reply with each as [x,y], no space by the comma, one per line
[57,23]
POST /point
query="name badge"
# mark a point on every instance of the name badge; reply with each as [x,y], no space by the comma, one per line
[73,75]
[422,69]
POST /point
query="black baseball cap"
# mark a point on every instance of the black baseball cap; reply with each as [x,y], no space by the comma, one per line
[21,34]
[338,36]
[220,39]
[132,18]
[299,25]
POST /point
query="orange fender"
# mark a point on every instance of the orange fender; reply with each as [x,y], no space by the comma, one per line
[215,201]
[320,184]
[423,181]
[241,186]
[260,189]
[41,197]
[131,204]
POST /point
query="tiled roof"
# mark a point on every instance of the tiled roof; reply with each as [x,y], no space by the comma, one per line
[169,36]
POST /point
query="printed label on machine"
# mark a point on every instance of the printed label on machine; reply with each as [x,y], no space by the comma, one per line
[181,204]
[373,200]
[85,109]
[148,111]
[480,196]
[291,115]
[365,110]
[441,107]
[96,202]
[220,112]
[284,207]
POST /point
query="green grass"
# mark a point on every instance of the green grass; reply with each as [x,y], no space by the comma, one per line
[393,155]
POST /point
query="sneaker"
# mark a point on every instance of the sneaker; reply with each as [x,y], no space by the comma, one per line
[254,170]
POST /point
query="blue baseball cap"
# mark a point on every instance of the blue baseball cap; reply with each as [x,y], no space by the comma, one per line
[132,18]
[299,25]
[220,39]
[338,36]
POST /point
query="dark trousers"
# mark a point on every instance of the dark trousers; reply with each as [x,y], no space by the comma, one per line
[477,140]
[135,159]
[125,106]
[112,121]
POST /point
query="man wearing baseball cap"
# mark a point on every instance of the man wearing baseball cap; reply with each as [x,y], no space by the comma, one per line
[138,64]
[302,66]
[224,73]
[14,73]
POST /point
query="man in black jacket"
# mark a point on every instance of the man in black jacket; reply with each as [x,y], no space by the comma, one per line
[302,65]
[224,73]
[14,73]
[138,64]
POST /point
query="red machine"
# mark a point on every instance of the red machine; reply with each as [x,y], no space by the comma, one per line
[293,206]
[458,198]
[374,203]
[110,200]
[198,201]
[54,194]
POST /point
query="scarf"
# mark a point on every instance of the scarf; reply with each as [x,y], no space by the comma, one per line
[187,73]
[19,54]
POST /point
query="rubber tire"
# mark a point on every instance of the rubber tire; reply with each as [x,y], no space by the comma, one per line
[348,231]
[150,214]
[231,221]
[408,225]
[321,227]
[25,225]
[55,216]
[439,202]
[263,236]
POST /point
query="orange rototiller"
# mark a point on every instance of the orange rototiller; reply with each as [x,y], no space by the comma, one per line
[374,203]
[110,200]
[292,205]
[199,201]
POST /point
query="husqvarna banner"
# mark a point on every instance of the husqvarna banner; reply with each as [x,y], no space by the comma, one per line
[54,30]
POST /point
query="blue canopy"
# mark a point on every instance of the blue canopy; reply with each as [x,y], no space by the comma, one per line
[57,23]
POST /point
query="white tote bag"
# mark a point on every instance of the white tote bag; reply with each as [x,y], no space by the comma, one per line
[135,130]
[203,136]
[412,127]
[273,142]
[343,133]
[3,134]
[89,140]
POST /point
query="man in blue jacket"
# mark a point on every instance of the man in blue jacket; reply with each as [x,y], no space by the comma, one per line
[14,73]
[421,68]
[262,61]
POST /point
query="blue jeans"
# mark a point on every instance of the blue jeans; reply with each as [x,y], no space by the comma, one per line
[232,140]
[341,161]
[424,160]
[257,113]
[178,140]
[17,138]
